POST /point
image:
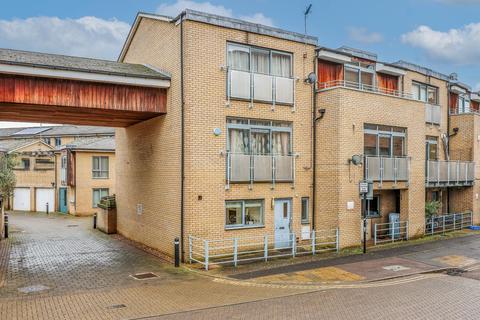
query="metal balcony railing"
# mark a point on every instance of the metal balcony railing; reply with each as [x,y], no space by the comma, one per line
[450,173]
[363,87]
[260,87]
[392,169]
[260,168]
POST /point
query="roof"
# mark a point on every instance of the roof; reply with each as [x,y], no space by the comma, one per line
[420,69]
[80,64]
[91,144]
[221,21]
[54,131]
[14,144]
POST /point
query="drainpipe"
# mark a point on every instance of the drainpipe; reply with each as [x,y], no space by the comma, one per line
[182,137]
[314,138]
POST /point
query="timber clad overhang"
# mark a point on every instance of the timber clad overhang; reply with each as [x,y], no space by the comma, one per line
[40,87]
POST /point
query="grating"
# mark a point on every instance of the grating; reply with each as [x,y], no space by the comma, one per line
[117,306]
[144,276]
[72,225]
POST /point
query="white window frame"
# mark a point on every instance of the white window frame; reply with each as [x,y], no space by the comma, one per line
[100,190]
[419,86]
[100,171]
[305,220]
[379,133]
[250,67]
[244,205]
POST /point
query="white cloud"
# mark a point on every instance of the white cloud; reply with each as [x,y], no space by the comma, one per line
[175,8]
[477,87]
[459,46]
[362,35]
[86,36]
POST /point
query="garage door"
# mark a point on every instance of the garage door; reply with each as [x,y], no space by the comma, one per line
[21,199]
[44,196]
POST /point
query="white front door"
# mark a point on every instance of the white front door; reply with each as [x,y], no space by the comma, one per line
[44,196]
[21,199]
[283,214]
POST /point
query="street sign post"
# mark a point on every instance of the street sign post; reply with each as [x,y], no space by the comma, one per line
[365,189]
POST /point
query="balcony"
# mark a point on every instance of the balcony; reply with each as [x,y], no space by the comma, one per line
[245,168]
[449,173]
[387,169]
[260,87]
[433,114]
[322,86]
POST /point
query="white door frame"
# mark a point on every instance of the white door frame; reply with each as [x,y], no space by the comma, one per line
[283,222]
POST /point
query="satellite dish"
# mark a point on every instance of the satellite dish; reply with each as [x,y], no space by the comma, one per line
[356,159]
[311,78]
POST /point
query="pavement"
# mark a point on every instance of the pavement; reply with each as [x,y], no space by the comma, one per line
[57,267]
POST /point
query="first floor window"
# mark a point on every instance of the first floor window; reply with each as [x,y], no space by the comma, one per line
[98,194]
[100,167]
[244,213]
[25,164]
[432,148]
[305,210]
[384,141]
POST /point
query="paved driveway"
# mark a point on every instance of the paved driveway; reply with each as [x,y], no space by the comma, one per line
[58,267]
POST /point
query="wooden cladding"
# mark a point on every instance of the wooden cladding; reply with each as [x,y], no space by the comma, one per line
[77,102]
[387,82]
[329,72]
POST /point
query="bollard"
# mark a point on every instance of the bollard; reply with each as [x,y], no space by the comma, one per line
[6,226]
[177,252]
[95,221]
[47,207]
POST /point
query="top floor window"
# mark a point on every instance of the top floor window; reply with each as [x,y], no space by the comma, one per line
[259,60]
[360,75]
[58,141]
[384,141]
[424,92]
[47,140]
[100,167]
[463,104]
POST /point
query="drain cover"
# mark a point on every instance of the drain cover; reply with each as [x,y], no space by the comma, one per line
[117,306]
[34,288]
[455,272]
[72,225]
[144,276]
[396,268]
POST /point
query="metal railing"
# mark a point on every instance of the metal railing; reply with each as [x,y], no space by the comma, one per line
[449,173]
[232,251]
[448,222]
[363,87]
[433,114]
[390,232]
[382,169]
[260,87]
[260,168]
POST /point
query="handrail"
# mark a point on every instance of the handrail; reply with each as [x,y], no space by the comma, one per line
[449,172]
[363,87]
[391,172]
[234,250]
[448,222]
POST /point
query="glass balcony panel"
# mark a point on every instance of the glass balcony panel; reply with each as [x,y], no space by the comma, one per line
[284,90]
[262,168]
[283,168]
[240,84]
[262,87]
[239,167]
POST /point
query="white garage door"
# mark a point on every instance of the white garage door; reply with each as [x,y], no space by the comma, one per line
[21,199]
[44,196]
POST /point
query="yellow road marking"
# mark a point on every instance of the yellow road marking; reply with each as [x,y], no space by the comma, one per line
[456,261]
[329,274]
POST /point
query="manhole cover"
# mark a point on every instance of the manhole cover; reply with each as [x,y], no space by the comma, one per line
[396,268]
[34,288]
[144,276]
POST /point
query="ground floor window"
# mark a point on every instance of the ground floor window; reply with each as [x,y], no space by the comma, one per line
[244,213]
[305,210]
[98,194]
[373,207]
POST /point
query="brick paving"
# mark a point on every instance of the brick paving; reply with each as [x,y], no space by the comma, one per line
[85,275]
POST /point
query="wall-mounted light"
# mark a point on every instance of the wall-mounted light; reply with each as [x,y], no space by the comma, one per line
[217,131]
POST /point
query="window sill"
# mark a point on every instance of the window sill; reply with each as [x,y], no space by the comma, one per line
[305,222]
[245,227]
[100,178]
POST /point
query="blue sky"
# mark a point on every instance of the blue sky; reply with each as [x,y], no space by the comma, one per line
[441,34]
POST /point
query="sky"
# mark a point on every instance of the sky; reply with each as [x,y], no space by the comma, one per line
[440,34]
